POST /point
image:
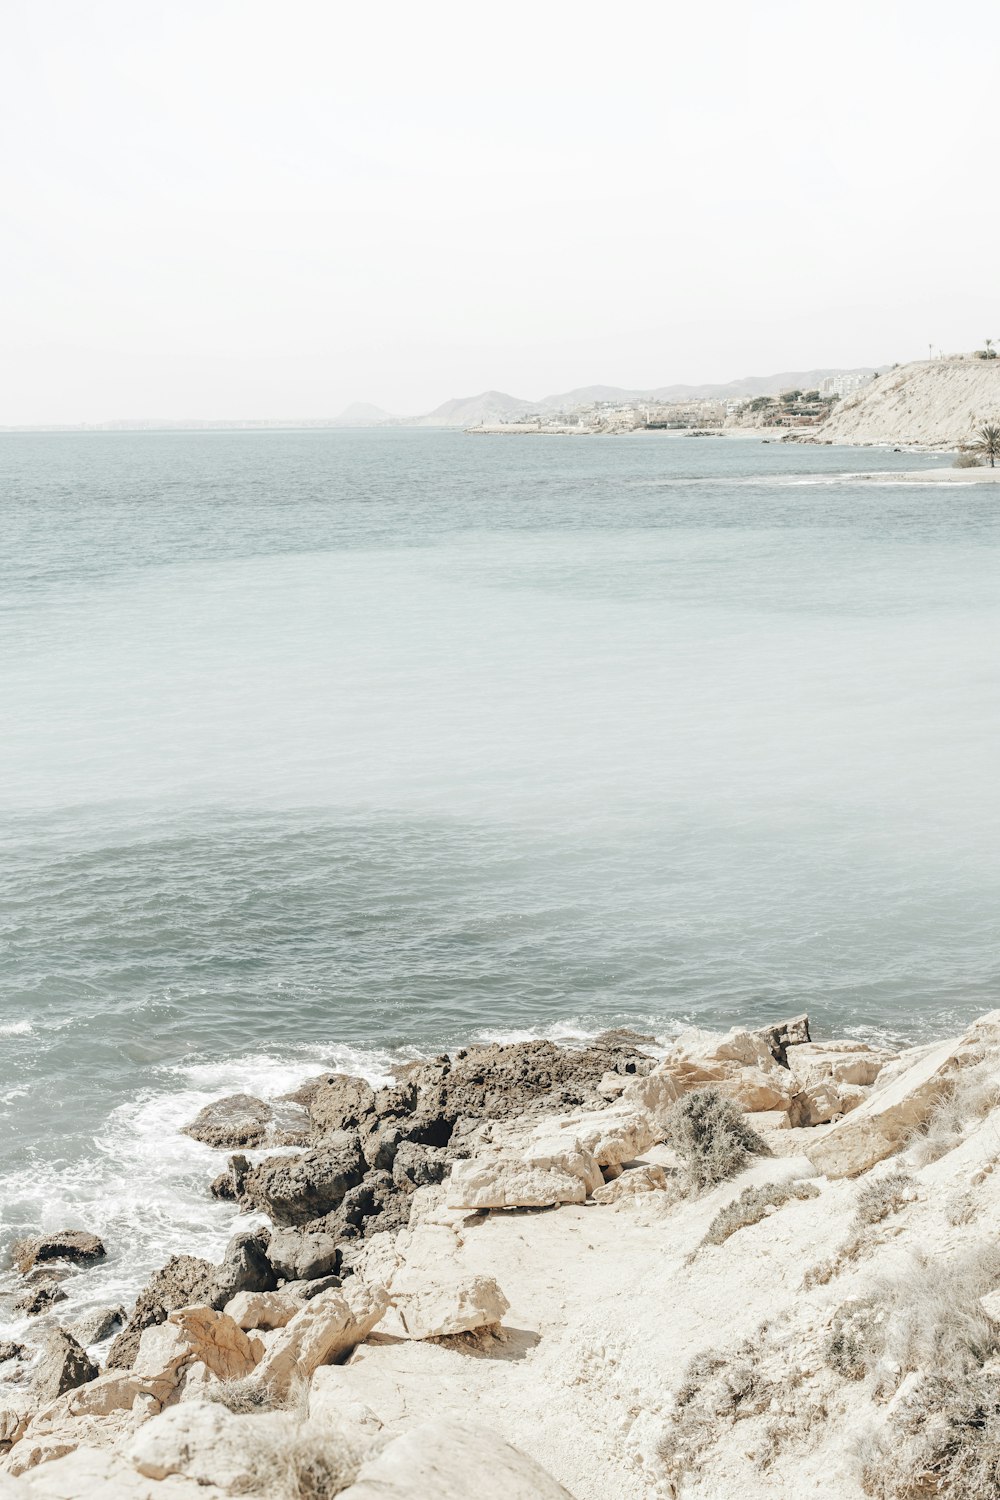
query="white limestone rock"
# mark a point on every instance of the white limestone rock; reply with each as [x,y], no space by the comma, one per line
[255,1310]
[435,1308]
[326,1329]
[540,1175]
[634,1183]
[453,1461]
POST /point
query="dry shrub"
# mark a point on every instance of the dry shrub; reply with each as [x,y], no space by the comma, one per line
[711,1138]
[968,1097]
[248,1396]
[966,460]
[300,1460]
[876,1201]
[854,1340]
[960,1207]
[943,1441]
[753,1205]
[882,1197]
[752,1380]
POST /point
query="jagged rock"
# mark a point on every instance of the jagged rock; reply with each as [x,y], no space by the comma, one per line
[740,1065]
[305,1291]
[261,1309]
[785,1034]
[13,1421]
[340,1102]
[229,1184]
[631,1184]
[452,1461]
[183,1281]
[296,1189]
[430,1308]
[540,1175]
[75,1245]
[326,1329]
[9,1349]
[39,1298]
[890,1114]
[841,1062]
[303,1255]
[246,1267]
[63,1366]
[96,1326]
[191,1342]
[824,1100]
[237,1120]
[374,1205]
[419,1166]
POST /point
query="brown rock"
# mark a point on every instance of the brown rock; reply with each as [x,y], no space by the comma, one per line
[184,1280]
[39,1298]
[237,1120]
[296,1189]
[74,1245]
[340,1102]
[63,1366]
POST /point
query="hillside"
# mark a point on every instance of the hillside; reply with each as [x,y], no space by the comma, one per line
[362,414]
[931,403]
[470,411]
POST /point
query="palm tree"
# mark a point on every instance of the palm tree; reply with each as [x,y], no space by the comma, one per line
[988,442]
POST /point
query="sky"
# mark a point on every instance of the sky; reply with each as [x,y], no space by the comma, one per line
[235,209]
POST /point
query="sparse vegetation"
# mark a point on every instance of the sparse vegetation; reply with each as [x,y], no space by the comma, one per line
[248,1395]
[712,1139]
[876,1201]
[965,459]
[754,1204]
[850,1346]
[882,1197]
[943,1440]
[968,1097]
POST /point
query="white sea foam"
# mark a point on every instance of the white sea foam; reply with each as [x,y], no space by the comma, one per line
[16,1028]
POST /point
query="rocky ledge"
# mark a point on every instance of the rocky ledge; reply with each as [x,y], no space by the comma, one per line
[737,1277]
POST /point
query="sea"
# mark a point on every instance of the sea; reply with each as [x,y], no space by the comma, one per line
[329,749]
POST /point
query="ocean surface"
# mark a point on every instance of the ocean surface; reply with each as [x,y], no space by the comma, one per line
[330,748]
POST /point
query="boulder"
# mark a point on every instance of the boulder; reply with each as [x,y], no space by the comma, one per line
[63,1366]
[303,1255]
[888,1116]
[261,1309]
[339,1102]
[10,1349]
[204,1441]
[74,1245]
[195,1342]
[94,1327]
[785,1034]
[229,1123]
[634,1183]
[824,1100]
[327,1328]
[184,1280]
[991,1307]
[296,1189]
[453,1461]
[438,1307]
[38,1299]
[542,1174]
[375,1205]
[246,1267]
[419,1166]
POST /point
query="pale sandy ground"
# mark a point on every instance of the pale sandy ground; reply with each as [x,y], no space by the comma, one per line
[606,1313]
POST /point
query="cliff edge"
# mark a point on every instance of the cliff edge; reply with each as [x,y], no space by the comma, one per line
[937,403]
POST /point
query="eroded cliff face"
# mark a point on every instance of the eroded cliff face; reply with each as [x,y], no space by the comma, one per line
[931,403]
[748,1264]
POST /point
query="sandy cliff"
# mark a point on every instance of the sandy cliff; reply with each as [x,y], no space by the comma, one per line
[932,403]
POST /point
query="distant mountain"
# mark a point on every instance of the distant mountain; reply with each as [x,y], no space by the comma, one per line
[362,414]
[469,411]
[750,385]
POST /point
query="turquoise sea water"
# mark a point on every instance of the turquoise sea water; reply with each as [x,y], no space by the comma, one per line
[328,747]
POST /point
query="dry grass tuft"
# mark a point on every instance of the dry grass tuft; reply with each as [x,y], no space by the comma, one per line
[943,1441]
[969,1097]
[882,1197]
[754,1204]
[298,1460]
[712,1139]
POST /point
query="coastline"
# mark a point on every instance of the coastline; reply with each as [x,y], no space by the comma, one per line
[523,1272]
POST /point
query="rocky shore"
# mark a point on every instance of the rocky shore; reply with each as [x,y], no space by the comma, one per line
[757,1265]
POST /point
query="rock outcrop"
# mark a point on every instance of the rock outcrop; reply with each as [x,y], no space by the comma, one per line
[74,1245]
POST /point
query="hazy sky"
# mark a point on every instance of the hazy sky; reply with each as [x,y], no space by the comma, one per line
[237,208]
